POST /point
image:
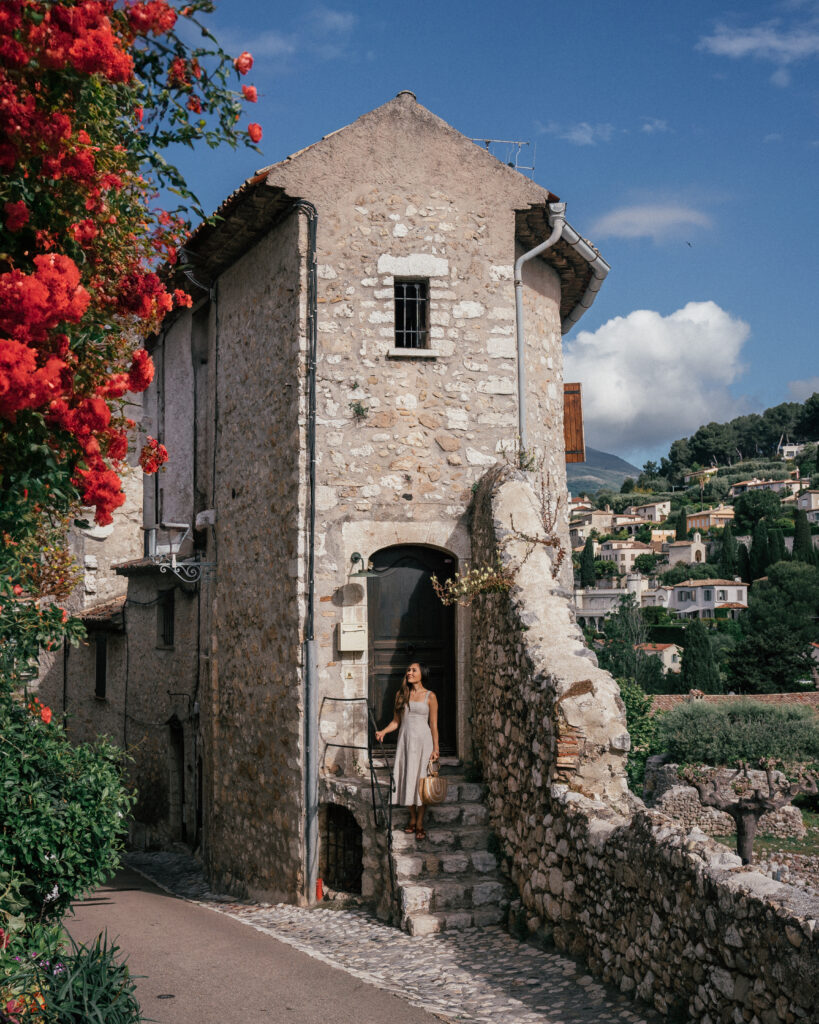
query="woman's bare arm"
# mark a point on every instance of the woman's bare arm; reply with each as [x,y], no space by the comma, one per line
[433,723]
[390,728]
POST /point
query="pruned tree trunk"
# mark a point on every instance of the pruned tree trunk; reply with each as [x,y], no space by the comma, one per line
[746,822]
[731,791]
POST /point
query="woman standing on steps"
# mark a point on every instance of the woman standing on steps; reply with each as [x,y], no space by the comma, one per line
[416,718]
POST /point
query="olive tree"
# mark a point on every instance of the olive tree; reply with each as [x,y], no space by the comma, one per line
[718,746]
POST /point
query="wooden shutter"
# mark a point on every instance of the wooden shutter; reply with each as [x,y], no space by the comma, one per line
[573,423]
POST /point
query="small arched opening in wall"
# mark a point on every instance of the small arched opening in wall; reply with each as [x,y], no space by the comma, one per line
[406,623]
[341,849]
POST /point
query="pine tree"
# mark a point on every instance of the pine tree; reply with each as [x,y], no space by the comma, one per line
[681,526]
[699,667]
[760,557]
[802,540]
[743,563]
[728,554]
[587,575]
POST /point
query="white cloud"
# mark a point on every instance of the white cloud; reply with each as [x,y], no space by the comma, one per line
[323,19]
[654,126]
[774,137]
[781,77]
[803,389]
[581,134]
[658,221]
[765,42]
[648,378]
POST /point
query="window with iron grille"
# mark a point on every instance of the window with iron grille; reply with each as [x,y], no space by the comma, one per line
[165,618]
[101,665]
[343,850]
[411,314]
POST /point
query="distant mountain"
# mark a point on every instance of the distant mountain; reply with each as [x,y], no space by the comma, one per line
[599,470]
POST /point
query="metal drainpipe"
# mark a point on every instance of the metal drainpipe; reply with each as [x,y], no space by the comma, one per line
[557,217]
[310,649]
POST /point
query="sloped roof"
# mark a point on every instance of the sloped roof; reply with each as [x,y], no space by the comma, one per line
[249,213]
[105,616]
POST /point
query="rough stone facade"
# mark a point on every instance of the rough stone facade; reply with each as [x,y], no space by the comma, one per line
[667,914]
[401,437]
[664,791]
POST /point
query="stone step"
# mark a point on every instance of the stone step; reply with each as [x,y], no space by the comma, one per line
[420,923]
[448,814]
[458,837]
[458,790]
[466,892]
[420,864]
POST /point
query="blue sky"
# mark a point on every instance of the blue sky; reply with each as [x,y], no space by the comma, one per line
[684,138]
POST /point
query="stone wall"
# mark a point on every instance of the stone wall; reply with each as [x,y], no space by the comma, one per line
[667,914]
[664,791]
[252,706]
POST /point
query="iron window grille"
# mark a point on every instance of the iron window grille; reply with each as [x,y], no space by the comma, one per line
[411,314]
[345,852]
[165,619]
[101,666]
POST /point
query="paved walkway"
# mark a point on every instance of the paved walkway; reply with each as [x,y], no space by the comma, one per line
[479,976]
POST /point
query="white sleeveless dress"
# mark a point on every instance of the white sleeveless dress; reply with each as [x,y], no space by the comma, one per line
[412,752]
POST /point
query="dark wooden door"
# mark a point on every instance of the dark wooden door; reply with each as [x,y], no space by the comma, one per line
[408,623]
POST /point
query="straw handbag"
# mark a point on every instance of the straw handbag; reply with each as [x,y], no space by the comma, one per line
[432,789]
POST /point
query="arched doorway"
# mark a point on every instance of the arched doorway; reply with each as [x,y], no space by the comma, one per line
[408,623]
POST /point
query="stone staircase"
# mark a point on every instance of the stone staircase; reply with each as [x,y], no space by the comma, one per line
[450,880]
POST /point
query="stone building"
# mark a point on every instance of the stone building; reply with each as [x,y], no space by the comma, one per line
[347,373]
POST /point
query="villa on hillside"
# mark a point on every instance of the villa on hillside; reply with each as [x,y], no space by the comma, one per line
[709,599]
[654,511]
[808,502]
[669,655]
[709,518]
[788,486]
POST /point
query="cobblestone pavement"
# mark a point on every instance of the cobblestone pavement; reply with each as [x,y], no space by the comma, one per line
[480,976]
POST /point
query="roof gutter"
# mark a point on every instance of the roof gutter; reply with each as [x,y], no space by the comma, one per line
[599,269]
[557,218]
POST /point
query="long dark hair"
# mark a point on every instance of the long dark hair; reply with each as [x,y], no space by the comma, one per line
[403,695]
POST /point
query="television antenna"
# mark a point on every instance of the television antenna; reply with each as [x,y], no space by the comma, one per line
[511,152]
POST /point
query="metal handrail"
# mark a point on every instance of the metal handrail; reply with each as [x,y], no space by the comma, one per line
[384,812]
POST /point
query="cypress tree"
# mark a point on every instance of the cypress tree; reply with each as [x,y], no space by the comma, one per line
[802,540]
[760,557]
[776,544]
[728,554]
[743,563]
[681,527]
[587,576]
[699,667]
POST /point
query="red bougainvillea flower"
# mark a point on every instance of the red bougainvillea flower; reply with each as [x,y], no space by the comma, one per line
[45,714]
[243,63]
[194,104]
[142,371]
[182,298]
[154,16]
[16,215]
[254,131]
[249,93]
[153,456]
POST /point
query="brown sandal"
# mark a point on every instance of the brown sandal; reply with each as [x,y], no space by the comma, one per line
[420,834]
[409,829]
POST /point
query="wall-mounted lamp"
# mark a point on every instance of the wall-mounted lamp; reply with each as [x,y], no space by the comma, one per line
[190,570]
[365,572]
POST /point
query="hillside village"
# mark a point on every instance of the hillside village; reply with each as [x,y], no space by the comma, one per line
[696,552]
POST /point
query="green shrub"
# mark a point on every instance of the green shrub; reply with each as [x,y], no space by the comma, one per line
[641,728]
[86,985]
[63,809]
[744,730]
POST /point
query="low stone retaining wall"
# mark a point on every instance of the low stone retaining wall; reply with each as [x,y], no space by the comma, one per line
[660,911]
[665,791]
